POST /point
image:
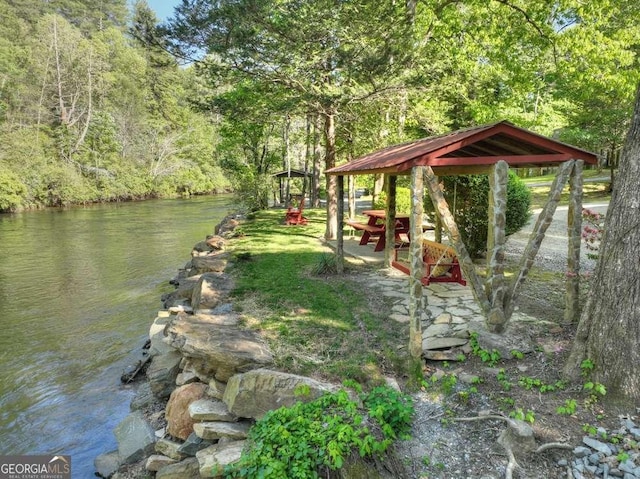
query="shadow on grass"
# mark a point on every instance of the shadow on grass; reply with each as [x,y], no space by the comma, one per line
[327,326]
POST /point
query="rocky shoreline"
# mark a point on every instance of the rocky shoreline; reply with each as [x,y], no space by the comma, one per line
[207,380]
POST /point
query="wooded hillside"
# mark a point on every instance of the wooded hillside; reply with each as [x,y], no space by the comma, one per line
[89,112]
[93,108]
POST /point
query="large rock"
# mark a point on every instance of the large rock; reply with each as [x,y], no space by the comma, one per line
[155,462]
[218,430]
[226,226]
[216,242]
[215,458]
[144,397]
[179,422]
[211,290]
[106,464]
[210,410]
[135,438]
[170,448]
[211,263]
[216,350]
[256,392]
[193,444]
[512,340]
[183,291]
[187,469]
[162,373]
[156,334]
[201,247]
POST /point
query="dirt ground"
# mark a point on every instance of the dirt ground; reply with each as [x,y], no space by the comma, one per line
[443,447]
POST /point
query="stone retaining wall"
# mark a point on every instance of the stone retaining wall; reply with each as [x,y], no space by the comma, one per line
[211,375]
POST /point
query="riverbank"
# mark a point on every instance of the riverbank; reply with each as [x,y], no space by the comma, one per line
[278,294]
[79,288]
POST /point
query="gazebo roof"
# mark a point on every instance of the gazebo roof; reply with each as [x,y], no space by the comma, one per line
[292,173]
[468,151]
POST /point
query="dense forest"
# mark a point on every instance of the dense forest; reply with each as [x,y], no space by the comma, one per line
[98,102]
[90,111]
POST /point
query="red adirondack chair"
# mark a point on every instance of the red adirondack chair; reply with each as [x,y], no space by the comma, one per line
[294,216]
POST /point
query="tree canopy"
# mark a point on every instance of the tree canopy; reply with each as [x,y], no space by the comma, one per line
[93,107]
[90,111]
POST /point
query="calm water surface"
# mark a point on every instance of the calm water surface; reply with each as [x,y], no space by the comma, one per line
[78,291]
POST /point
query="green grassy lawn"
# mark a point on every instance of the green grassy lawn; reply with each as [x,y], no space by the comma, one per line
[591,192]
[323,325]
[586,174]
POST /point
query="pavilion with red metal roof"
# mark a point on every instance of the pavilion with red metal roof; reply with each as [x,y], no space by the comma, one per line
[489,149]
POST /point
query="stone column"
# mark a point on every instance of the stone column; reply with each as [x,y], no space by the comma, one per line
[466,264]
[416,263]
[390,222]
[496,237]
[574,234]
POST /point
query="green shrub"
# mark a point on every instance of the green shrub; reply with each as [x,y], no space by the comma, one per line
[307,439]
[468,198]
[12,191]
[403,200]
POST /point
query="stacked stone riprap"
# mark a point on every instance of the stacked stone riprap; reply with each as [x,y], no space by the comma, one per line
[608,454]
[212,372]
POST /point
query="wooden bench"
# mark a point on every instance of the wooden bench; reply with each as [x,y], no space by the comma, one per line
[440,264]
[372,229]
[369,230]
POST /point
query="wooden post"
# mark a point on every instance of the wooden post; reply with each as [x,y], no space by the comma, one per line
[351,182]
[496,237]
[537,235]
[340,229]
[574,234]
[390,222]
[468,268]
[437,234]
[416,263]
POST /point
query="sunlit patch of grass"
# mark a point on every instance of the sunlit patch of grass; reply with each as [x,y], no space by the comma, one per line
[327,326]
[551,176]
[590,192]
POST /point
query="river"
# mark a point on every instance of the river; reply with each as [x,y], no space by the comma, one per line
[79,289]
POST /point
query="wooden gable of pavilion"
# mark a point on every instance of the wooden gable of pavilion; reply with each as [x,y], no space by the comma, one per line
[489,149]
[468,151]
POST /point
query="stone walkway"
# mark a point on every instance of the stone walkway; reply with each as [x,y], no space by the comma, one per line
[451,312]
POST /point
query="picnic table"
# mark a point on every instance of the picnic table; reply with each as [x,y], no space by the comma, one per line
[374,228]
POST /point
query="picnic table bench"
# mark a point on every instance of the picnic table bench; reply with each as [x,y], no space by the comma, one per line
[371,229]
[374,228]
[440,264]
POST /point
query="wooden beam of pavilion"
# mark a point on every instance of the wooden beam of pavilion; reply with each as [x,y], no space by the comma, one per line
[468,268]
[537,235]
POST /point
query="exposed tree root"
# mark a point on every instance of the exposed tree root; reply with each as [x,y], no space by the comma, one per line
[516,432]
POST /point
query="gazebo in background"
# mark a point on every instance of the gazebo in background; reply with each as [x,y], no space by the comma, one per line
[489,149]
[284,179]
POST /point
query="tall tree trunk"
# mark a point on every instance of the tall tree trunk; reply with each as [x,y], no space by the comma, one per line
[330,162]
[315,195]
[609,329]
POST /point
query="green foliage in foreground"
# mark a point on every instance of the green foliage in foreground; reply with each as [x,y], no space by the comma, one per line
[308,438]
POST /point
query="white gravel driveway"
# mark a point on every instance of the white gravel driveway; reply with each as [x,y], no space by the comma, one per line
[553,250]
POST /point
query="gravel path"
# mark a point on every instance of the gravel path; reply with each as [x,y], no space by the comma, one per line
[553,251]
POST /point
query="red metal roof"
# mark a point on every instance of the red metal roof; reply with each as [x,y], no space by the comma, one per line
[468,150]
